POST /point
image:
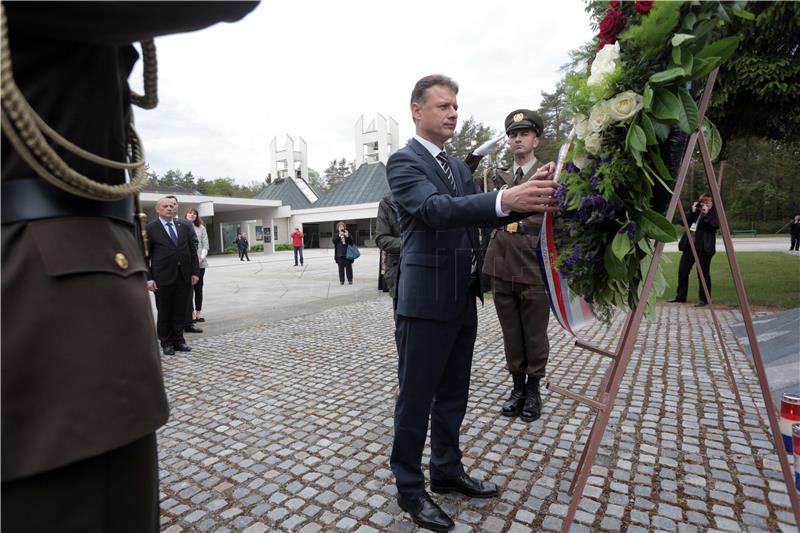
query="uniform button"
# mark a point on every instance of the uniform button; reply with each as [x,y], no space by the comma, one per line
[121,261]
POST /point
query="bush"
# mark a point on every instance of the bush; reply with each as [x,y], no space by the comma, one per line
[283,247]
[232,249]
[257,248]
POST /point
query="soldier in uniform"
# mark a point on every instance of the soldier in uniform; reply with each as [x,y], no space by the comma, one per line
[517,287]
[82,390]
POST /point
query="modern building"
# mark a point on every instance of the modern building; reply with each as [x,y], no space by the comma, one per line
[290,201]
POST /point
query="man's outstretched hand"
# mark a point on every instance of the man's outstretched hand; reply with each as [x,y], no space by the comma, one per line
[535,195]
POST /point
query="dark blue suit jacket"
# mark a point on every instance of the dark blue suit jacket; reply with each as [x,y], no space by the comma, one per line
[439,233]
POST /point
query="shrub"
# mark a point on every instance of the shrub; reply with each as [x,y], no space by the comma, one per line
[283,247]
[257,248]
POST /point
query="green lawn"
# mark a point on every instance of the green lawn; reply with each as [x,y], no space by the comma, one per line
[771,279]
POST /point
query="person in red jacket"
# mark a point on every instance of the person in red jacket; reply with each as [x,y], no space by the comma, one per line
[297,243]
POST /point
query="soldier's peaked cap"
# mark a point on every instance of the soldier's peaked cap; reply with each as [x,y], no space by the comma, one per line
[524,119]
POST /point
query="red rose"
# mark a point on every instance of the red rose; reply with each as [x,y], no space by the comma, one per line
[613,23]
[643,6]
[613,3]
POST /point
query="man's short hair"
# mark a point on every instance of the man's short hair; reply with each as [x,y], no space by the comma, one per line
[419,94]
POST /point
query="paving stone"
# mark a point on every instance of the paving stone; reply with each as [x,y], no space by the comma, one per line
[246,448]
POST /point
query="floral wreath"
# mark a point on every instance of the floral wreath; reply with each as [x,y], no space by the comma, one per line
[637,98]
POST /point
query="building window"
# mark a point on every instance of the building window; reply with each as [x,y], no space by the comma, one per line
[275,232]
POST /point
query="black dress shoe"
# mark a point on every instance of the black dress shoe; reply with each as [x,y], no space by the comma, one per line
[182,347]
[676,300]
[191,328]
[425,513]
[465,485]
[201,319]
[168,350]
[701,303]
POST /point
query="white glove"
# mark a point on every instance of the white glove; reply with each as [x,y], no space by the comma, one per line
[489,146]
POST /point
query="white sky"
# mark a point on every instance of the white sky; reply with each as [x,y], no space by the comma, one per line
[310,68]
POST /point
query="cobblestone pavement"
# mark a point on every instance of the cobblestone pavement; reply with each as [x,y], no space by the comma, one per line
[288,427]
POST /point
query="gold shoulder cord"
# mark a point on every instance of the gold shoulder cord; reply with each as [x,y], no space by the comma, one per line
[26,131]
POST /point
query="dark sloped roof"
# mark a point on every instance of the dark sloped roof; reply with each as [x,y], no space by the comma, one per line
[367,184]
[287,191]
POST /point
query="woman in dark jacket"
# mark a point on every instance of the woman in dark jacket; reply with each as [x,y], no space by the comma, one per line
[703,224]
[794,231]
[341,240]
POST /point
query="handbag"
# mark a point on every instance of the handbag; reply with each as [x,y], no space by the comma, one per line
[352,252]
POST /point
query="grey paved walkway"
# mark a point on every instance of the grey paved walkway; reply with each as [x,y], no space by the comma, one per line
[287,426]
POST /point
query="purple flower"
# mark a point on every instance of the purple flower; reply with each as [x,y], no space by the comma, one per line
[632,230]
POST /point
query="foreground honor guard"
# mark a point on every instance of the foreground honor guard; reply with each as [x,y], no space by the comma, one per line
[519,295]
[82,391]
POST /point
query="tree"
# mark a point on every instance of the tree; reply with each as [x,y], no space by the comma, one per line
[336,172]
[316,181]
[551,109]
[757,92]
[470,136]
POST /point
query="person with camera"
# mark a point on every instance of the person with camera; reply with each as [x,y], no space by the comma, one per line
[703,225]
[341,240]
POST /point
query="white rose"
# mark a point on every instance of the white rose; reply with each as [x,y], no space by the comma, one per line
[604,64]
[598,117]
[624,106]
[581,125]
[580,161]
[594,143]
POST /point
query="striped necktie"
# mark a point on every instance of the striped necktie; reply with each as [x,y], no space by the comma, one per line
[172,234]
[442,158]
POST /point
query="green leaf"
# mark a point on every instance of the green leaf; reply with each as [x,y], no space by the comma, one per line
[723,48]
[638,139]
[666,106]
[667,75]
[744,14]
[662,130]
[614,267]
[713,139]
[647,97]
[680,38]
[621,245]
[723,13]
[690,108]
[689,21]
[657,227]
[647,127]
[702,67]
[664,177]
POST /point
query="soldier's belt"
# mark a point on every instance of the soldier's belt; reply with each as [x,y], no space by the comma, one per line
[522,229]
[34,199]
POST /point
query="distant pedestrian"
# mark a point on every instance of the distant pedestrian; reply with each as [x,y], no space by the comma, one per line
[389,240]
[202,253]
[794,231]
[341,240]
[297,244]
[243,245]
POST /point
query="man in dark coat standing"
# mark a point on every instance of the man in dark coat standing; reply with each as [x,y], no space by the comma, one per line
[703,225]
[439,207]
[388,240]
[82,391]
[174,269]
[517,287]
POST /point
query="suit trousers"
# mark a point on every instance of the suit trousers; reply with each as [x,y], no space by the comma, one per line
[435,360]
[523,311]
[687,260]
[171,302]
[115,491]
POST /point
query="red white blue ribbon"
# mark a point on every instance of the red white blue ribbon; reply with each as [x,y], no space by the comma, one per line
[569,308]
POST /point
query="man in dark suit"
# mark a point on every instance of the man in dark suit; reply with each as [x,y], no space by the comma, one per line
[174,268]
[517,287]
[439,206]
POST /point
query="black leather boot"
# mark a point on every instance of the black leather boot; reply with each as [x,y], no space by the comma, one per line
[533,401]
[513,406]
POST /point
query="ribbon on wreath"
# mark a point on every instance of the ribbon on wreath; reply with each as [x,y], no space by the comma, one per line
[569,308]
